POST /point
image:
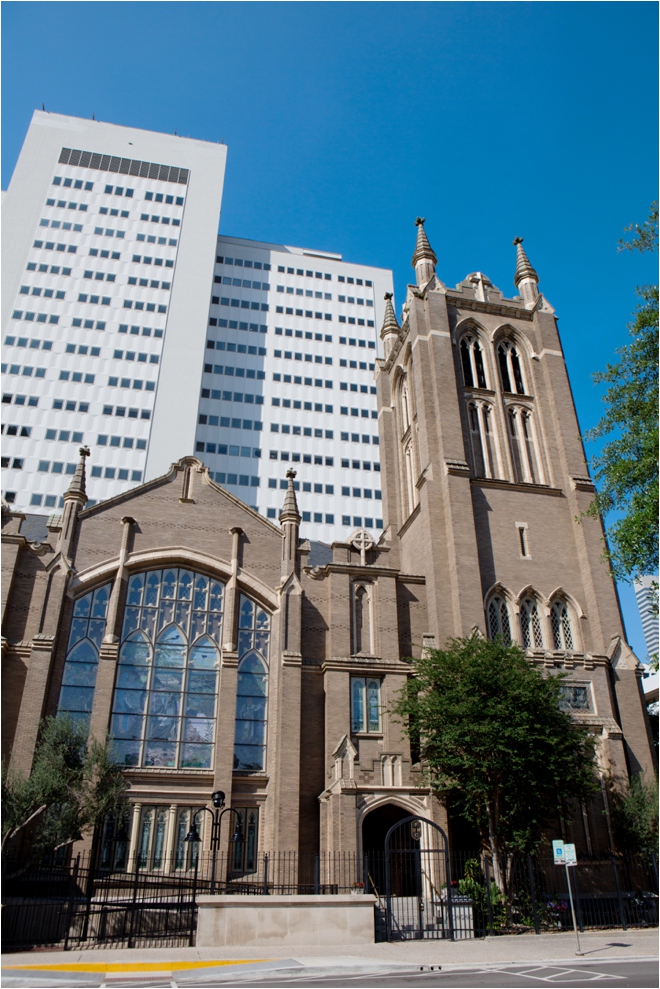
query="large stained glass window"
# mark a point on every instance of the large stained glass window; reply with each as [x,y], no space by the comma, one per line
[82,658]
[164,705]
[252,687]
[365,704]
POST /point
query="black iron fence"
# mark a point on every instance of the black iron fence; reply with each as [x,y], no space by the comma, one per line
[78,905]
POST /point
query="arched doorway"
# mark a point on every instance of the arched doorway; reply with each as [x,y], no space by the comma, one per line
[375,826]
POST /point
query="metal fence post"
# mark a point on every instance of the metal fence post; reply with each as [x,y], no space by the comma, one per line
[449,903]
[193,905]
[622,911]
[265,889]
[317,872]
[532,893]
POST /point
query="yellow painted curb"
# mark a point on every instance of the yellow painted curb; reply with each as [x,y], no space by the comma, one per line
[135,966]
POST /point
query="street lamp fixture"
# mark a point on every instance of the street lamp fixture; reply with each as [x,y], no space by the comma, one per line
[193,836]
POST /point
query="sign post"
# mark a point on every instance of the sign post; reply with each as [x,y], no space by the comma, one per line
[564,854]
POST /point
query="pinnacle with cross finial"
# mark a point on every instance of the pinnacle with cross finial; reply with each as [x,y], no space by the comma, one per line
[78,489]
[289,512]
[423,250]
[524,269]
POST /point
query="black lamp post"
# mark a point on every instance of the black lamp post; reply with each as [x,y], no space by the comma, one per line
[193,836]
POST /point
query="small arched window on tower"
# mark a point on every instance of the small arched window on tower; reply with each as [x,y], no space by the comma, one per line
[531,630]
[362,620]
[515,441]
[405,409]
[508,359]
[498,619]
[472,360]
[560,623]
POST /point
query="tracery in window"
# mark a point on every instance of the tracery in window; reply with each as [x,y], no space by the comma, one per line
[530,624]
[472,360]
[560,622]
[252,687]
[575,697]
[164,705]
[245,851]
[498,619]
[511,375]
[85,638]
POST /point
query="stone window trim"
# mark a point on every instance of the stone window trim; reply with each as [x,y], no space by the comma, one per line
[498,594]
[363,618]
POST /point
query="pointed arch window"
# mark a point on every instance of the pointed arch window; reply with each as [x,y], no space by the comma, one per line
[560,623]
[164,704]
[510,367]
[472,360]
[362,619]
[82,658]
[498,619]
[531,630]
[252,688]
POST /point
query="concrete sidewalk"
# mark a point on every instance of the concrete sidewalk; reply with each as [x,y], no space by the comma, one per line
[139,965]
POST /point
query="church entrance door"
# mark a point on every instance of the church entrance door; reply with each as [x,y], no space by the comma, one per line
[417,881]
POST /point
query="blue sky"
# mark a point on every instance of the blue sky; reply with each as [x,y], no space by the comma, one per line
[344,121]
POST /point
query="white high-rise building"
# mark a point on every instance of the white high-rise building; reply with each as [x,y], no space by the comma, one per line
[646,593]
[288,382]
[108,253]
[127,320]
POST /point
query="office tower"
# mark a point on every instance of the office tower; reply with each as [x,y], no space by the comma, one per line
[289,379]
[111,263]
[646,592]
[108,248]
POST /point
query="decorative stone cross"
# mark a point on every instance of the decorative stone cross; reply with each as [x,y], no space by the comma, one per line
[84,451]
[291,473]
[363,541]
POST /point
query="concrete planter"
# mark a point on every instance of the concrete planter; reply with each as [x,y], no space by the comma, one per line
[302,920]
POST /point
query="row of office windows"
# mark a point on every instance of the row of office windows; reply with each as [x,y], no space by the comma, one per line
[318,517]
[35,317]
[73,183]
[361,493]
[358,322]
[307,358]
[307,334]
[52,269]
[123,412]
[61,225]
[234,396]
[33,344]
[25,371]
[244,304]
[357,438]
[305,458]
[9,463]
[60,404]
[152,239]
[159,262]
[10,429]
[88,324]
[358,521]
[231,423]
[276,427]
[239,283]
[160,219]
[243,263]
[360,464]
[305,486]
[127,442]
[237,348]
[144,306]
[351,386]
[307,313]
[149,283]
[50,245]
[30,400]
[94,252]
[240,480]
[119,474]
[100,276]
[135,330]
[232,450]
[304,273]
[232,371]
[48,293]
[77,376]
[358,413]
[308,293]
[135,383]
[233,324]
[64,436]
[131,355]
[95,300]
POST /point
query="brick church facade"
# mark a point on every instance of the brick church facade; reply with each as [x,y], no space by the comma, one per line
[221,651]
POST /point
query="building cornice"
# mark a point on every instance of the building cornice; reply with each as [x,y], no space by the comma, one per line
[459,301]
[496,482]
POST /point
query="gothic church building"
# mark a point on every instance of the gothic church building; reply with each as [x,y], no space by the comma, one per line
[221,651]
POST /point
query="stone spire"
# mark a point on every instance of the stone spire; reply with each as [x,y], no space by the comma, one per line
[77,489]
[290,520]
[423,259]
[391,330]
[75,499]
[525,279]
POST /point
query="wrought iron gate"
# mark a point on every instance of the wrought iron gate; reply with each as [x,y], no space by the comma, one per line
[418,884]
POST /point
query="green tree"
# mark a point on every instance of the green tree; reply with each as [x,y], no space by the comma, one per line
[626,469]
[73,785]
[635,815]
[494,739]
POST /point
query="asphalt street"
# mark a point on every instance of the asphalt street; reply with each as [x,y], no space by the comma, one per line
[633,974]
